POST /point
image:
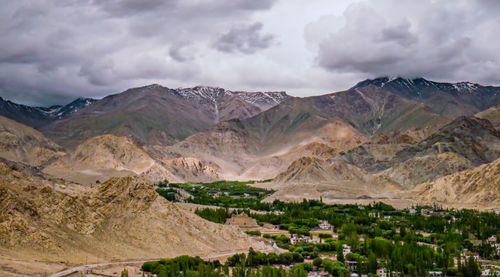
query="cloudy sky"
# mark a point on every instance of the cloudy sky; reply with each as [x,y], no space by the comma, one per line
[53,51]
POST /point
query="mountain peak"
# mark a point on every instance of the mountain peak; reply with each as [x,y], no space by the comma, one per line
[383,81]
[418,83]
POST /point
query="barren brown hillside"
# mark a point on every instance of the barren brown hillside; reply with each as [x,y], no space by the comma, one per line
[477,186]
[123,218]
[102,157]
[21,143]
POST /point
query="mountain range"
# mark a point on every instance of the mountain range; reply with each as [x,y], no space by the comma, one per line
[384,126]
[72,174]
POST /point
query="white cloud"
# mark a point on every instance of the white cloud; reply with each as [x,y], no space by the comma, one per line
[446,40]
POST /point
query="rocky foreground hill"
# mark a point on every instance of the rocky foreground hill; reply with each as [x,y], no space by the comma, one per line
[122,218]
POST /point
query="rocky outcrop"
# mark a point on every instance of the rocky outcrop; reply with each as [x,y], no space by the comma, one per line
[479,186]
[107,156]
[473,138]
[492,114]
[24,144]
[123,217]
[426,168]
[193,170]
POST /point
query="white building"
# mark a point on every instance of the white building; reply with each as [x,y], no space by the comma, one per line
[347,249]
[466,256]
[318,274]
[325,225]
[294,239]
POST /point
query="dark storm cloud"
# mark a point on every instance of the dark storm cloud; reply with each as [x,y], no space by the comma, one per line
[244,39]
[447,40]
[50,48]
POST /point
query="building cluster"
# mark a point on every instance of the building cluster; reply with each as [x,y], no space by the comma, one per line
[494,243]
[346,249]
[428,212]
[296,239]
[489,270]
[324,225]
[318,274]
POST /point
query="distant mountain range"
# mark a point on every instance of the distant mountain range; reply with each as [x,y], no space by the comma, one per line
[39,116]
[380,137]
[159,115]
[78,180]
[448,99]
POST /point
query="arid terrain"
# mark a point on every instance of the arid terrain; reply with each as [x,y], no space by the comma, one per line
[80,187]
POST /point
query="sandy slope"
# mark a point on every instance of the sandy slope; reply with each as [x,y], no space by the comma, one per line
[107,156]
[121,219]
[479,185]
[24,144]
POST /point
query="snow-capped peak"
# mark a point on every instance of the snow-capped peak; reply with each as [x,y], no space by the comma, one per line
[465,86]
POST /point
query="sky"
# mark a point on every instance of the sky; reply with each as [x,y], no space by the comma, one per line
[52,51]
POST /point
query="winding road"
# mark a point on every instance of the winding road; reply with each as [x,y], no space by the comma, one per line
[87,267]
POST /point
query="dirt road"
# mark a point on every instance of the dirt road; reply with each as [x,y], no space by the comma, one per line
[87,267]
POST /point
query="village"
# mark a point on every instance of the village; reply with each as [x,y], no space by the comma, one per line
[326,230]
[348,240]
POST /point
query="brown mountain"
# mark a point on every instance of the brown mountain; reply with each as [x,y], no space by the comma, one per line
[159,115]
[123,218]
[474,138]
[299,121]
[24,144]
[426,168]
[470,137]
[312,178]
[245,153]
[449,99]
[103,157]
[479,186]
[492,114]
[399,160]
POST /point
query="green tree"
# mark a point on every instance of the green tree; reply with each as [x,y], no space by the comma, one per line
[470,268]
[317,262]
[340,253]
[372,263]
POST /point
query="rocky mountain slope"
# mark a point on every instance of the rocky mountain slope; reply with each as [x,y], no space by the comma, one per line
[123,218]
[39,116]
[426,168]
[473,138]
[382,134]
[245,153]
[370,109]
[313,178]
[159,115]
[448,99]
[107,156]
[492,114]
[476,186]
[193,170]
[375,110]
[24,144]
[399,161]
